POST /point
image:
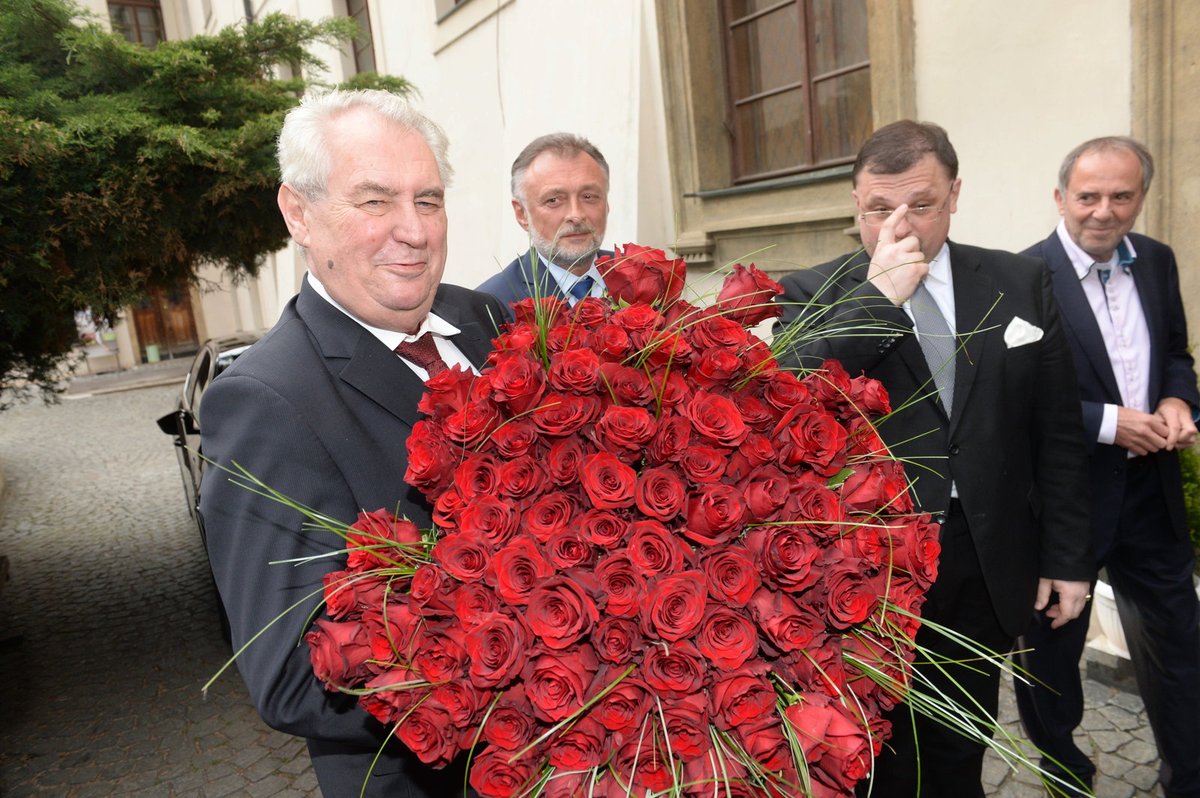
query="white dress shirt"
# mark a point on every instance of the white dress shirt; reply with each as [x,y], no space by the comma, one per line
[1122,321]
[439,328]
[940,285]
[566,280]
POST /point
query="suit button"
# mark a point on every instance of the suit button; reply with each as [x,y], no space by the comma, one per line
[954,449]
[938,518]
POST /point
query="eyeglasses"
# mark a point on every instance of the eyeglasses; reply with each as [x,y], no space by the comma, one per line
[915,213]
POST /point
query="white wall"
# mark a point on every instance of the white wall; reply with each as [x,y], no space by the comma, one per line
[1017,85]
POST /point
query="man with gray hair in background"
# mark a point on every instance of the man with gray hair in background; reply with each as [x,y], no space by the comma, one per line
[560,197]
[1123,315]
[320,410]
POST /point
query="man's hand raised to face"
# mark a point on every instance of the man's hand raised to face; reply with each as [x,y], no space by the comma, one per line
[897,267]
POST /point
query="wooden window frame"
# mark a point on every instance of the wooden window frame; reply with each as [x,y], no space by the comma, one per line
[156,5]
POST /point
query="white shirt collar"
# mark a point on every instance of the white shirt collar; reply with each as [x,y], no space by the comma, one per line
[432,323]
[566,280]
[1083,262]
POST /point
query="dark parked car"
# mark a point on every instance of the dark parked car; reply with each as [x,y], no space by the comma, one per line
[183,424]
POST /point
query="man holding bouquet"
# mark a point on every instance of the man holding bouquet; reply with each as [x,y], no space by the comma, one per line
[320,410]
[969,346]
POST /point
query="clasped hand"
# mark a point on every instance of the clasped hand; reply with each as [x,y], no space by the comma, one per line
[897,267]
[1072,596]
[1169,427]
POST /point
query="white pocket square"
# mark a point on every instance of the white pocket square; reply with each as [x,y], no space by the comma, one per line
[1020,332]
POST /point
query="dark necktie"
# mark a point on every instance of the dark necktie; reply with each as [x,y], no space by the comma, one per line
[423,352]
[937,342]
[582,287]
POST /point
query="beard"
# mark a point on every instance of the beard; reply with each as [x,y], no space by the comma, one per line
[565,255]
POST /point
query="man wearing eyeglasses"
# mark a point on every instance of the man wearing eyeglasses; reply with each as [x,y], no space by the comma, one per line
[968,343]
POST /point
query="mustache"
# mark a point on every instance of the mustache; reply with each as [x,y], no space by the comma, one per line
[575,229]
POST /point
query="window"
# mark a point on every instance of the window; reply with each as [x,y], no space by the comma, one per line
[363,44]
[139,21]
[445,7]
[799,83]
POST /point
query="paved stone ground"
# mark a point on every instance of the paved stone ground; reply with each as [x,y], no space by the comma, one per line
[108,628]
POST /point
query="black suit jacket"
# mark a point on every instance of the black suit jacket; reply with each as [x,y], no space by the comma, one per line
[525,277]
[1171,372]
[320,410]
[1012,443]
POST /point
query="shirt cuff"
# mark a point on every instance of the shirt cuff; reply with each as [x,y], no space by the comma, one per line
[1108,425]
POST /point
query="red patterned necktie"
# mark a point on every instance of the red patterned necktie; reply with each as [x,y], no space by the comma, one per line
[423,352]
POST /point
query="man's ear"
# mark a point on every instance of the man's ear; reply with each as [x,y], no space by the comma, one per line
[294,208]
[519,212]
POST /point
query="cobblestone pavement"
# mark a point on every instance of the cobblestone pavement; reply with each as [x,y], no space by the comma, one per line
[108,630]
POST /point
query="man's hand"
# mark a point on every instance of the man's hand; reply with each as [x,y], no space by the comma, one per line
[1177,415]
[1141,433]
[1072,596]
[897,267]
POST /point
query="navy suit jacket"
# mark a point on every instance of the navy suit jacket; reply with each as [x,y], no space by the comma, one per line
[1171,372]
[1012,443]
[525,277]
[319,410]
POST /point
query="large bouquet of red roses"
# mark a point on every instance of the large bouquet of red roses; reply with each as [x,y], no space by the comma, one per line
[661,563]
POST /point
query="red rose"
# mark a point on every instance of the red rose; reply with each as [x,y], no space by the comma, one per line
[567,549]
[430,459]
[561,414]
[880,485]
[514,438]
[477,476]
[563,460]
[716,331]
[610,342]
[429,592]
[560,612]
[580,747]
[622,585]
[510,725]
[464,557]
[653,549]
[862,439]
[590,311]
[758,415]
[497,646]
[628,386]
[851,598]
[616,639]
[741,698]
[715,368]
[539,312]
[339,652]
[783,391]
[548,516]
[428,733]
[676,605]
[603,528]
[669,386]
[686,723]
[747,295]
[640,274]
[490,519]
[623,431]
[869,396]
[816,504]
[623,708]
[726,637]
[472,601]
[915,549]
[640,322]
[766,490]
[575,370]
[645,763]
[786,555]
[494,776]
[517,569]
[766,744]
[556,683]
[390,694]
[343,590]
[518,381]
[660,493]
[789,626]
[666,348]
[609,483]
[371,535]
[716,418]
[830,386]
[462,701]
[814,439]
[714,514]
[441,654]
[832,740]
[447,507]
[730,575]
[393,639]
[473,424]
[674,671]
[671,440]
[521,477]
[703,463]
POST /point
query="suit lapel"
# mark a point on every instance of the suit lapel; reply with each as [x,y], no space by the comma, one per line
[975,299]
[1077,314]
[1146,279]
[538,281]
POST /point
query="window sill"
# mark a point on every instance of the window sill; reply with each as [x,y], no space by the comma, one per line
[791,181]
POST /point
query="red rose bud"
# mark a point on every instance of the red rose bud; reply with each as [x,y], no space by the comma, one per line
[609,483]
[494,776]
[582,746]
[339,652]
[731,576]
[676,606]
[726,637]
[497,646]
[640,274]
[560,612]
[510,726]
[556,683]
[747,295]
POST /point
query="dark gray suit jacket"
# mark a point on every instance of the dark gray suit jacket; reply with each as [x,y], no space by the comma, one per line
[1013,442]
[525,277]
[320,410]
[1171,372]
